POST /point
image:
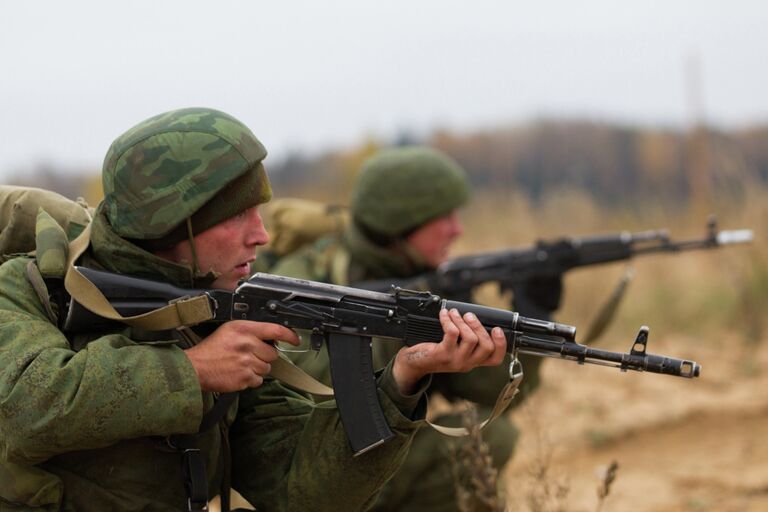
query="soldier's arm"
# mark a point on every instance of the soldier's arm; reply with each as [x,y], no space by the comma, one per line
[54,400]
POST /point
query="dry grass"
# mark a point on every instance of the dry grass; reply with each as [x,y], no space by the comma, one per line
[544,488]
[474,477]
[608,475]
[698,293]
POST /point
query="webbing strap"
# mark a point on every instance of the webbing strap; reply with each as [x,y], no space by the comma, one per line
[38,284]
[506,395]
[184,312]
[195,480]
[287,372]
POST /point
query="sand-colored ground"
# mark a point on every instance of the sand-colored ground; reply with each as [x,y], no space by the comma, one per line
[681,445]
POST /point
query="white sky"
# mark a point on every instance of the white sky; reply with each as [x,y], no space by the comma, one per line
[311,75]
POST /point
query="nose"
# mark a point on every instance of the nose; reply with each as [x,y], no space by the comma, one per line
[257,233]
[457,228]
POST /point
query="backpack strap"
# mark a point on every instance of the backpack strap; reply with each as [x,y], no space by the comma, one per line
[41,290]
[49,265]
[51,246]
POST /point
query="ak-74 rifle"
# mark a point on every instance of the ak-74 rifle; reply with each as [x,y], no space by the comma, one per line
[515,268]
[346,320]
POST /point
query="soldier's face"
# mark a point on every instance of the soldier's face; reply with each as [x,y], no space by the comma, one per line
[433,240]
[227,248]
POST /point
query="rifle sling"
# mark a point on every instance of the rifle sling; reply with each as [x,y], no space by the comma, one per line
[293,376]
[506,395]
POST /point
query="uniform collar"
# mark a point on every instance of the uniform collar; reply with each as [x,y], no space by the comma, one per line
[115,254]
[371,261]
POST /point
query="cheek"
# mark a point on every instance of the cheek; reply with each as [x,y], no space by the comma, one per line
[449,235]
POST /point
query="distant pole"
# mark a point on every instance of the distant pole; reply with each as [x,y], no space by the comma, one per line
[697,157]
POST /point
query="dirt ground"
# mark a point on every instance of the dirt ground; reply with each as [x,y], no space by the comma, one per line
[680,444]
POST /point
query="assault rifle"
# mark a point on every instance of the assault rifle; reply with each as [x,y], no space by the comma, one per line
[346,319]
[514,268]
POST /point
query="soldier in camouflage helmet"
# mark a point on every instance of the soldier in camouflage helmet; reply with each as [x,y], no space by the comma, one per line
[110,420]
[404,221]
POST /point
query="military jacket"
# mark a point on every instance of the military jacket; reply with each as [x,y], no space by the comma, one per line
[87,430]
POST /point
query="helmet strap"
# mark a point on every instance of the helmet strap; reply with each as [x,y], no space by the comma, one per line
[191,235]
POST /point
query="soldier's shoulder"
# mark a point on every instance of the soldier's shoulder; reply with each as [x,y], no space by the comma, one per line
[13,273]
[311,261]
[16,290]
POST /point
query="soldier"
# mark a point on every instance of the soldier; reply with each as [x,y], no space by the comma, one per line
[110,420]
[404,220]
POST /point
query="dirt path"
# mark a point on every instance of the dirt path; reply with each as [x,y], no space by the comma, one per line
[680,445]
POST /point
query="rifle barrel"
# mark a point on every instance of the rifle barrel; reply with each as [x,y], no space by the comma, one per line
[735,236]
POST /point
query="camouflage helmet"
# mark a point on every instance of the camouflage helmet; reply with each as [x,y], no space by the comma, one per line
[401,189]
[193,163]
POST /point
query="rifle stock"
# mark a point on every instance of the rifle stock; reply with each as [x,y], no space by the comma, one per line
[347,319]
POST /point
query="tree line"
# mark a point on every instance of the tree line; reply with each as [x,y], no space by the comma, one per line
[615,164]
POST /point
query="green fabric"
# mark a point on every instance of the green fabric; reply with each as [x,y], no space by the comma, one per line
[84,430]
[19,207]
[51,246]
[400,189]
[424,483]
[161,171]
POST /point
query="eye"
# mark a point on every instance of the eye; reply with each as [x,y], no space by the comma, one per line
[243,214]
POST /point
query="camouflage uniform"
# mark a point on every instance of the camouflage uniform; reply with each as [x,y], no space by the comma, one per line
[87,430]
[399,190]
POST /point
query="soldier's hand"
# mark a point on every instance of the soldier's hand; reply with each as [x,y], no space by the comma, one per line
[465,346]
[236,356]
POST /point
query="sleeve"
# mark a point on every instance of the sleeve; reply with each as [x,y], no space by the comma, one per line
[289,454]
[54,400]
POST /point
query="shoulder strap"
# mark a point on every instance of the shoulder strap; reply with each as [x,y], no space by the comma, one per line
[41,290]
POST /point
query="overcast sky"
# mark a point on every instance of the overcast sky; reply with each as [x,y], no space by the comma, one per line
[317,74]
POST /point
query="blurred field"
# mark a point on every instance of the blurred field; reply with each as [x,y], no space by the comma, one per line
[681,445]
